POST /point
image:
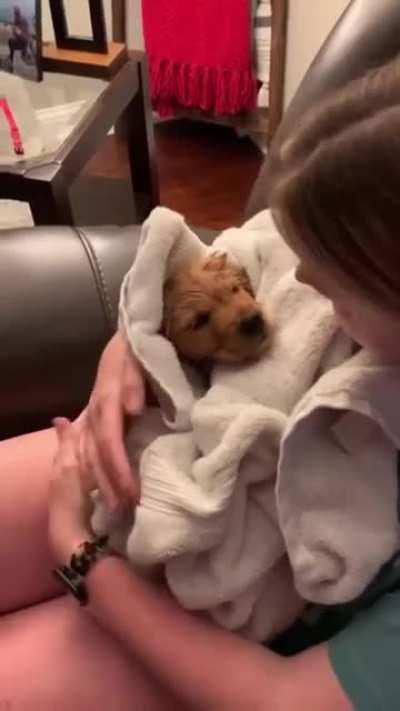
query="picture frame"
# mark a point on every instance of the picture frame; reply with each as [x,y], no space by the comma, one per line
[96,44]
[21,38]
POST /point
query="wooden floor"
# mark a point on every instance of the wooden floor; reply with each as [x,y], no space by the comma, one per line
[206,171]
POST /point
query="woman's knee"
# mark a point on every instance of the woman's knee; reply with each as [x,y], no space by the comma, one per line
[54,655]
[25,558]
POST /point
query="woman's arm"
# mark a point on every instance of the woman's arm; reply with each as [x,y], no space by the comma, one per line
[118,393]
[203,665]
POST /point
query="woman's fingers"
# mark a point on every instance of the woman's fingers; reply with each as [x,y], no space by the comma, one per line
[68,459]
[133,386]
[91,463]
[87,475]
[70,508]
[68,444]
[119,391]
[109,430]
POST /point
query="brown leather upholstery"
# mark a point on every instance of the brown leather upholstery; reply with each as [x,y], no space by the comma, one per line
[59,286]
[59,291]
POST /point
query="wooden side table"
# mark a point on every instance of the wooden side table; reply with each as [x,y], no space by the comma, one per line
[123,102]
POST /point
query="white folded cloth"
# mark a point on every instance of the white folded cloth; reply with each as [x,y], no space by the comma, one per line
[338,488]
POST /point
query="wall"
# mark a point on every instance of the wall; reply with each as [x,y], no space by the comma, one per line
[134,24]
[310,22]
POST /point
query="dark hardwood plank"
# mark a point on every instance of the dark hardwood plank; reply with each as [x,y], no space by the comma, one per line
[278,63]
[206,171]
[118,20]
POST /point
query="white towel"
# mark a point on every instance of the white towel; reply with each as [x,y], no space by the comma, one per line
[208,460]
[337,489]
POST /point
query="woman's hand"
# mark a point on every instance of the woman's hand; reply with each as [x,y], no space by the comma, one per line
[119,392]
[70,505]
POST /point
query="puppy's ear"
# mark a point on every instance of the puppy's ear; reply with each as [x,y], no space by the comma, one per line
[166,326]
[245,281]
[169,284]
[215,262]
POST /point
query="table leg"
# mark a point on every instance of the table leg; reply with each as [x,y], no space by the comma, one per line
[50,204]
[136,125]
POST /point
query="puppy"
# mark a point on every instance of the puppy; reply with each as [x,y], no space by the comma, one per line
[210,313]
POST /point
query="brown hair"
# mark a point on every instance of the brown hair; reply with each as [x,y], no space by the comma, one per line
[337,183]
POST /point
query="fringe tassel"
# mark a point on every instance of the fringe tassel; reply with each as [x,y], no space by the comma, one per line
[212,89]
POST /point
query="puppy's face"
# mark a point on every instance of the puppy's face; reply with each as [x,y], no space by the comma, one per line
[210,313]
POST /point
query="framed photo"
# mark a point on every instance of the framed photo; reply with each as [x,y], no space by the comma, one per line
[97,42]
[21,38]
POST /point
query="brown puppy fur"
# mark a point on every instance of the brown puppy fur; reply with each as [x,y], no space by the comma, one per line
[210,313]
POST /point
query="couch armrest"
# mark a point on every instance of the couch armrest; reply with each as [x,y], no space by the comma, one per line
[59,304]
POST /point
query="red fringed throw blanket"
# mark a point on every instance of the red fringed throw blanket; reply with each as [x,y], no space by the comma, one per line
[200,54]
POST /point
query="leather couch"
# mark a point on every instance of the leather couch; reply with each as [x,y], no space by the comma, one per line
[59,286]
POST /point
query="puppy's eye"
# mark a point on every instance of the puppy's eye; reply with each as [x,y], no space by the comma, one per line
[201,320]
[235,289]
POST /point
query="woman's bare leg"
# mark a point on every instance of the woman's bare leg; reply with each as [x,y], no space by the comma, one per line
[25,558]
[55,656]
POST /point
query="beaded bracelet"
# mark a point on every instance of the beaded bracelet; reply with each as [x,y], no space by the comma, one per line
[87,553]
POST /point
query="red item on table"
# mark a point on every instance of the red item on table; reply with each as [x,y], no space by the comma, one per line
[13,126]
[200,54]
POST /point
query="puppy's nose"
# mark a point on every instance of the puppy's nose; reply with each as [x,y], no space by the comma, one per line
[253,325]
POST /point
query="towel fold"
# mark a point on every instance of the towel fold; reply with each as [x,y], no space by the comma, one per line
[337,487]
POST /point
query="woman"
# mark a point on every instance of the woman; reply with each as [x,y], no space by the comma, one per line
[336,199]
